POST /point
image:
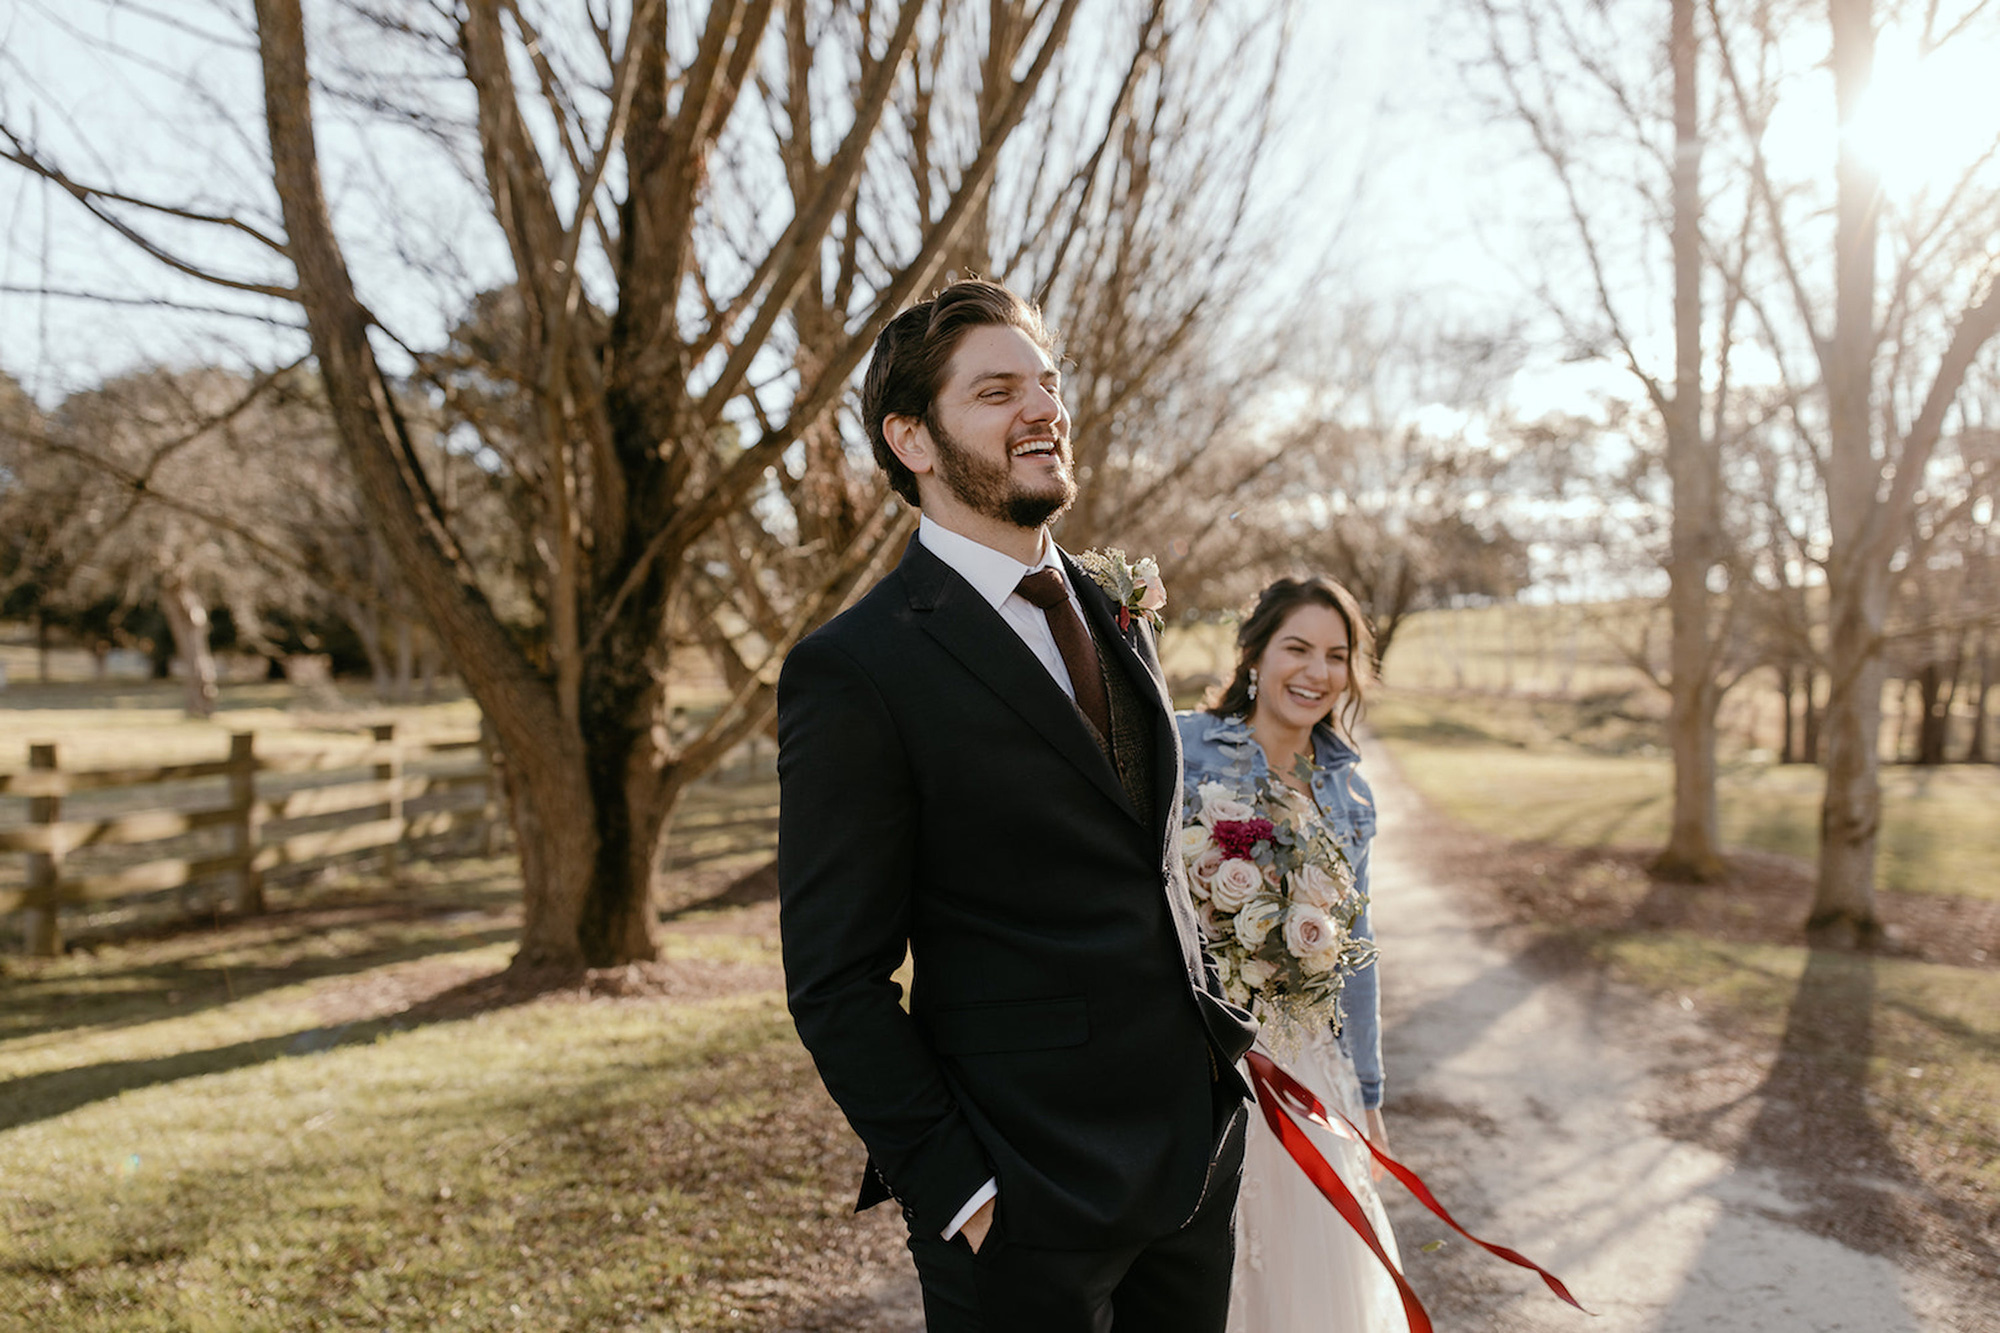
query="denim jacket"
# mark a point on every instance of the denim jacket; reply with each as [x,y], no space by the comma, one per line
[1222,749]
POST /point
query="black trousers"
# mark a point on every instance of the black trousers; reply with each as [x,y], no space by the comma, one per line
[1178,1283]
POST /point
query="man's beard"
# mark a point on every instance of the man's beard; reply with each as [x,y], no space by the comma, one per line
[989,489]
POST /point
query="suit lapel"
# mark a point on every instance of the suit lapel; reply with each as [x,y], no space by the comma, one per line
[965,625]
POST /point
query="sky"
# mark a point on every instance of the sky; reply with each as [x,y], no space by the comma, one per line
[1379,106]
[1389,146]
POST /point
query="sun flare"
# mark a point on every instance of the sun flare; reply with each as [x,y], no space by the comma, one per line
[1923,122]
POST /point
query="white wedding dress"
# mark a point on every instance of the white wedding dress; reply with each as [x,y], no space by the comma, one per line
[1299,1266]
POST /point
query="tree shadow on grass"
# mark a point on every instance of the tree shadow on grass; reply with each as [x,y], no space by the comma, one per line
[144,992]
[57,1092]
[1813,1117]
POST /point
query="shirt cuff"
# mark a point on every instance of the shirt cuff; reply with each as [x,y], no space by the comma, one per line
[990,1190]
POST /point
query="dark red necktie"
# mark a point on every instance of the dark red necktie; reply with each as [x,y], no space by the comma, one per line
[1044,588]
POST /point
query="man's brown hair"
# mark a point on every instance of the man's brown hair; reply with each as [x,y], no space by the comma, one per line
[911,357]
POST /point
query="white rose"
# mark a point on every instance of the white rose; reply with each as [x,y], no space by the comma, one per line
[1147,575]
[1320,964]
[1271,876]
[1256,921]
[1237,994]
[1308,931]
[1235,883]
[1195,839]
[1218,804]
[1257,973]
[1312,885]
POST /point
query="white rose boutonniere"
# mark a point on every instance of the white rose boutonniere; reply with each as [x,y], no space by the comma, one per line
[1135,587]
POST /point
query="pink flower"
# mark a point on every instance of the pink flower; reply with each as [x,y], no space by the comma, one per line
[1235,883]
[1308,931]
[1204,868]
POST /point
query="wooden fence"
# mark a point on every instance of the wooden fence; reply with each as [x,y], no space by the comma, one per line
[281,813]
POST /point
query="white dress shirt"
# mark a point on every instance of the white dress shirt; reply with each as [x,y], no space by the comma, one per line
[994,575]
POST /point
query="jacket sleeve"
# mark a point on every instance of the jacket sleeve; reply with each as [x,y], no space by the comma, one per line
[1361,1006]
[847,837]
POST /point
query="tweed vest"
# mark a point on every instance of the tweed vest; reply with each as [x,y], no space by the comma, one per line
[1130,745]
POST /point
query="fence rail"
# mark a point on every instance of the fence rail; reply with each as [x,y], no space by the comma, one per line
[377,813]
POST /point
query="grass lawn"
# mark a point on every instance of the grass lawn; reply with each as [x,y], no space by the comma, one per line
[1581,774]
[290,1124]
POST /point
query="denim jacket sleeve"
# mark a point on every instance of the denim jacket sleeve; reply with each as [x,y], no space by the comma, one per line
[1222,749]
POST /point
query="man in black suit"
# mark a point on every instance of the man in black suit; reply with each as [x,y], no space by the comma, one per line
[980,765]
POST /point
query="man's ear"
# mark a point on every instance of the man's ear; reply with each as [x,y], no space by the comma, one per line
[910,440]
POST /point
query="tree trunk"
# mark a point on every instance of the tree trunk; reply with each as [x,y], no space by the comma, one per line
[1693,850]
[1787,686]
[187,617]
[367,623]
[1814,716]
[549,779]
[1975,744]
[1901,745]
[1933,715]
[1843,910]
[405,660]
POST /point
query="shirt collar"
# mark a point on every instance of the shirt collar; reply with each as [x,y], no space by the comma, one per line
[993,574]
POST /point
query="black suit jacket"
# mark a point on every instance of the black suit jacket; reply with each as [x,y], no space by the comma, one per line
[1063,1033]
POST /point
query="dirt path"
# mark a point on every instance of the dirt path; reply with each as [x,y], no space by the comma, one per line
[1527,1097]
[1527,1100]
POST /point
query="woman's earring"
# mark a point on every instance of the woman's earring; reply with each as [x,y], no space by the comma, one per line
[1253,685]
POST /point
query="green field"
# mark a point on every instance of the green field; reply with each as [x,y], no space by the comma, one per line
[1583,774]
[250,1131]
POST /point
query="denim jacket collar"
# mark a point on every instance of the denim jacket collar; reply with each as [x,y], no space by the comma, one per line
[1233,736]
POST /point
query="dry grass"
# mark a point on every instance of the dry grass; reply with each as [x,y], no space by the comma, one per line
[354,1118]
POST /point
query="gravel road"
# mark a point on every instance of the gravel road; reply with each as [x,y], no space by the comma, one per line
[1527,1100]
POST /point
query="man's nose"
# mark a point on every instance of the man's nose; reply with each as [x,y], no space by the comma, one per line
[1044,404]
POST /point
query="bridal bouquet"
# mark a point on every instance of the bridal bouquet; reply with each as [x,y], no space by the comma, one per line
[1277,899]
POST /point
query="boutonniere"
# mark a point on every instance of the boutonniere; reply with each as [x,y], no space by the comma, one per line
[1136,588]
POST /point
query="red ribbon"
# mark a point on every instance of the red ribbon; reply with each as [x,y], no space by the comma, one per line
[1276,1091]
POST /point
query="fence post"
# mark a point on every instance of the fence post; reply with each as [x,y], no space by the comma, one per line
[44,923]
[248,822]
[390,770]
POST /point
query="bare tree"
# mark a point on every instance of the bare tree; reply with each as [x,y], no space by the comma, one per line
[1891,357]
[662,232]
[1563,69]
[178,491]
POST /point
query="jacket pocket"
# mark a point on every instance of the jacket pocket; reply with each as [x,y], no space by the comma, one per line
[1010,1025]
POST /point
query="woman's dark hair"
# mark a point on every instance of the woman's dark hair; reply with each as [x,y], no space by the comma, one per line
[912,353]
[1274,605]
